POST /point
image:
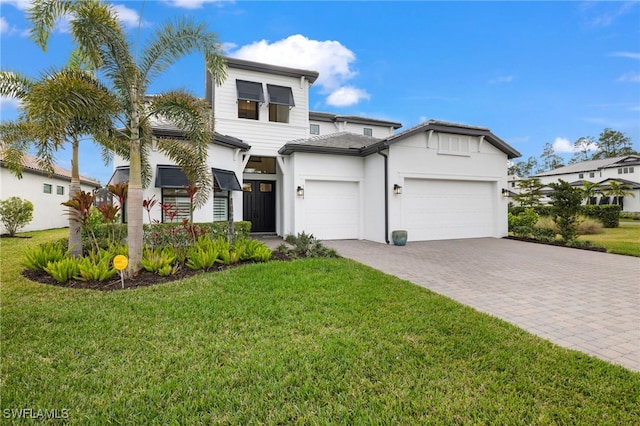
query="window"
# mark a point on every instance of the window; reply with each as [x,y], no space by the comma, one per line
[250,96]
[314,129]
[592,174]
[368,131]
[278,113]
[630,169]
[280,102]
[60,190]
[580,175]
[619,171]
[177,205]
[224,181]
[46,188]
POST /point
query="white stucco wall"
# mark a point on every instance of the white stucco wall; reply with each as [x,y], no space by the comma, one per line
[48,213]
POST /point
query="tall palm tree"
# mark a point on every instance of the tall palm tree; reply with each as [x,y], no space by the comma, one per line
[60,107]
[102,41]
[618,191]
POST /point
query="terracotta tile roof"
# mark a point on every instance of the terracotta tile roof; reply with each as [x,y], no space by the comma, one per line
[31,165]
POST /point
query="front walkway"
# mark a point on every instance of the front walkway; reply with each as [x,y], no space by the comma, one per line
[577,299]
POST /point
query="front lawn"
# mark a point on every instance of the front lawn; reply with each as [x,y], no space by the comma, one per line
[624,239]
[315,341]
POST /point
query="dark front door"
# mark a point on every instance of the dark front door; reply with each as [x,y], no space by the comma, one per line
[259,205]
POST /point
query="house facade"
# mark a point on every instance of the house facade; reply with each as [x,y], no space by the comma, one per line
[44,191]
[624,170]
[288,170]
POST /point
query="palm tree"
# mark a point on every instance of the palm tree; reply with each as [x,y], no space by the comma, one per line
[102,41]
[618,190]
[590,190]
[60,107]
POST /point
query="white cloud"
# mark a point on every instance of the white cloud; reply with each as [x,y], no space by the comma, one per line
[502,79]
[346,96]
[4,25]
[632,77]
[7,103]
[190,4]
[129,17]
[562,145]
[330,58]
[18,4]
[630,55]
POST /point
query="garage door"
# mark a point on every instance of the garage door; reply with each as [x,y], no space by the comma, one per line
[436,209]
[332,209]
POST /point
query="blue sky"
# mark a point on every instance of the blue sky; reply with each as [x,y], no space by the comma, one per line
[532,72]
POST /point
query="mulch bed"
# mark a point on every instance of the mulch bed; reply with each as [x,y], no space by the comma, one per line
[143,279]
[555,243]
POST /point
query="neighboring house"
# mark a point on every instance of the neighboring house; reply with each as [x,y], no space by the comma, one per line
[624,170]
[44,191]
[289,170]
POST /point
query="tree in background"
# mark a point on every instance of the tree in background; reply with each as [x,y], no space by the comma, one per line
[524,169]
[550,160]
[565,202]
[530,192]
[102,42]
[61,107]
[613,143]
[618,191]
[15,214]
[590,190]
[583,147]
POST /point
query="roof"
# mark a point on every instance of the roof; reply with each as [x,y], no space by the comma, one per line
[332,118]
[31,165]
[242,64]
[344,143]
[354,144]
[169,130]
[593,165]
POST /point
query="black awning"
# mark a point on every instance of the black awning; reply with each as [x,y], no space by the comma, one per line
[171,177]
[249,91]
[121,174]
[227,180]
[280,95]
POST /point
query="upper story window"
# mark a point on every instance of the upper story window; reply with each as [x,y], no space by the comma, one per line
[368,131]
[280,102]
[60,190]
[46,188]
[580,175]
[314,129]
[625,170]
[592,174]
[250,96]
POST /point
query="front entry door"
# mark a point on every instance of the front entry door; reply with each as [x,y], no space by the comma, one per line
[259,205]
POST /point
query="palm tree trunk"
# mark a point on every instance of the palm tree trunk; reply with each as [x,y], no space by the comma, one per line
[75,229]
[134,205]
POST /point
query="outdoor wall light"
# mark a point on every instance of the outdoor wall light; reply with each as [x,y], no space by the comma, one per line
[505,193]
[397,189]
[300,191]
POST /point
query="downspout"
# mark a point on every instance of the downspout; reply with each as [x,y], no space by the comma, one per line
[386,196]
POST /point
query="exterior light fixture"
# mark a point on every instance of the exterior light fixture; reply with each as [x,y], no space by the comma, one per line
[505,193]
[300,191]
[397,189]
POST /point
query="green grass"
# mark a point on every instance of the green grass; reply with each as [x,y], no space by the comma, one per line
[624,239]
[316,341]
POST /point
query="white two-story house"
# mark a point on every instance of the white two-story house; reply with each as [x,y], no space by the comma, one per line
[624,169]
[290,170]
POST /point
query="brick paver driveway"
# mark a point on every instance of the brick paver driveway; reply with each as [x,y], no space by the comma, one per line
[578,299]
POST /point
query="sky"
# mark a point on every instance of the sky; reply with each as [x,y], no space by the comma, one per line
[532,72]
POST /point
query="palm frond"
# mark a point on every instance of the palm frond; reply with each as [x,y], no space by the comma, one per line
[14,84]
[173,40]
[44,15]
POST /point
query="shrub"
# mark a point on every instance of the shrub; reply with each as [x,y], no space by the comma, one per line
[38,257]
[15,214]
[304,245]
[630,215]
[203,255]
[609,215]
[588,226]
[254,250]
[161,261]
[565,205]
[521,225]
[64,269]
[96,266]
[544,234]
[546,222]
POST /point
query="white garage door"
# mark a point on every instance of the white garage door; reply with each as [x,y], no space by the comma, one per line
[436,209]
[332,209]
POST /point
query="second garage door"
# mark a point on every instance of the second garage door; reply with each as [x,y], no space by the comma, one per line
[332,209]
[436,209]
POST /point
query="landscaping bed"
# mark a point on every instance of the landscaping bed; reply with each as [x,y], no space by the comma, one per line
[557,243]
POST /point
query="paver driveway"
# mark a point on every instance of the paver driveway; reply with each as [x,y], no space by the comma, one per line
[578,299]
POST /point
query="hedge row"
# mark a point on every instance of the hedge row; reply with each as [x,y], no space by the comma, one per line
[609,214]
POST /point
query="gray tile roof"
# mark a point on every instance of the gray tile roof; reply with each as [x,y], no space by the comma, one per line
[333,143]
[331,118]
[591,165]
